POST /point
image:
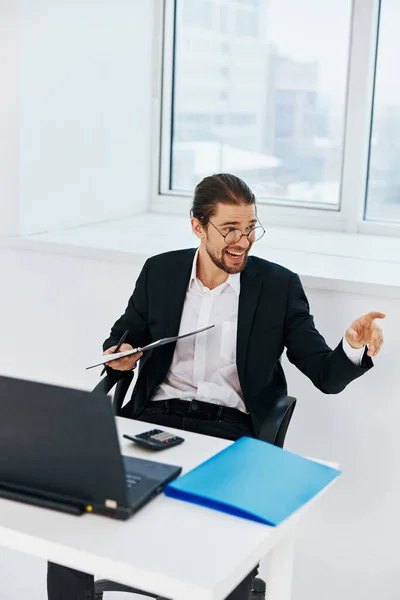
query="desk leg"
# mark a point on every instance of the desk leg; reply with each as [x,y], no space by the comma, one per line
[277,569]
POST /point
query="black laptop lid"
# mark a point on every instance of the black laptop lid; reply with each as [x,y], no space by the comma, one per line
[61,441]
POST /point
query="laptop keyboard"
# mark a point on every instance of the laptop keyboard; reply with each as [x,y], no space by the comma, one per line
[132,480]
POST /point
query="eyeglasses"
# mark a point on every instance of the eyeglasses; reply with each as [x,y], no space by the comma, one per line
[235,235]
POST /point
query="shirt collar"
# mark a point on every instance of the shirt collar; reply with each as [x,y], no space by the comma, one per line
[233,280]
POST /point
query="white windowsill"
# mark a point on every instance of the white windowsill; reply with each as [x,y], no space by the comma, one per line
[323,259]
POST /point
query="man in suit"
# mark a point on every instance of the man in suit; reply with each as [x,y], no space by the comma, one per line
[222,382]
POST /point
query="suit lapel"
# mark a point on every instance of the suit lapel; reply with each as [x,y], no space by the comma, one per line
[176,292]
[250,288]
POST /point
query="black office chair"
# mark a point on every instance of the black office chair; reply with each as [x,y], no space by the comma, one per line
[273,431]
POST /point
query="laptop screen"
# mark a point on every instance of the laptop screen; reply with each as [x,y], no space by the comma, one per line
[59,440]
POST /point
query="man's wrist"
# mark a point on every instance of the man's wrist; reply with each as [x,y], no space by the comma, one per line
[351,343]
[353,354]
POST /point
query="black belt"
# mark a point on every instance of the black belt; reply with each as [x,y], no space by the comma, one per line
[197,409]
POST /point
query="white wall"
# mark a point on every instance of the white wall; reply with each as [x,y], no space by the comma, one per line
[83,81]
[9,148]
[56,310]
[350,550]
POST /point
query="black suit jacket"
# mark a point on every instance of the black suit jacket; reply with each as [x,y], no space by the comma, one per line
[273,314]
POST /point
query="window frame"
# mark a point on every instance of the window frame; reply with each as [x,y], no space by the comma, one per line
[349,216]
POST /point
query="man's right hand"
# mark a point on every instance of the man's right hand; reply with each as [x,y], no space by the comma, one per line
[123,364]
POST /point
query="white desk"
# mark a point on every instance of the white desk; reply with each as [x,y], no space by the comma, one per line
[173,548]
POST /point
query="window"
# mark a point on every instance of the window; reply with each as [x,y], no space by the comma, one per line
[383,192]
[224,18]
[198,14]
[278,119]
[246,23]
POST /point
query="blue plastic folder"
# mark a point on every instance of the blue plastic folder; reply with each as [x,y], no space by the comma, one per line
[253,480]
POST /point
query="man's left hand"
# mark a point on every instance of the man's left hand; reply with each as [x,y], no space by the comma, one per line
[364,331]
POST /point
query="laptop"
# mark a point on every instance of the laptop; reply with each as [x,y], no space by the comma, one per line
[59,449]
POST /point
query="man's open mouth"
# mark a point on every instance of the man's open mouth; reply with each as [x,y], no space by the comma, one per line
[235,254]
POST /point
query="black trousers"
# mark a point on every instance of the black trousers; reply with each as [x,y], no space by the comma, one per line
[67,584]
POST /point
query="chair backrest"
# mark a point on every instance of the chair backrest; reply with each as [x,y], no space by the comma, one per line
[276,424]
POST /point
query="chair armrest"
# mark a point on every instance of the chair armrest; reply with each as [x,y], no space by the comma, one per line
[105,385]
[122,384]
[105,585]
[276,423]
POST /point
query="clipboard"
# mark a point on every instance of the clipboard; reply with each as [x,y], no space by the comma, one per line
[162,342]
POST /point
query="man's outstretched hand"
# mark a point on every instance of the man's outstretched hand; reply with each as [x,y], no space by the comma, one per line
[365,332]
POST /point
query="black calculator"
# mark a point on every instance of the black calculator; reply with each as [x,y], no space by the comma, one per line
[156,439]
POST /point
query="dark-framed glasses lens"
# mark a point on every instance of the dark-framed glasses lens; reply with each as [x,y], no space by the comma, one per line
[233,236]
[256,233]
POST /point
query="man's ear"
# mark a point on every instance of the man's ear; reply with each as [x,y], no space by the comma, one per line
[197,228]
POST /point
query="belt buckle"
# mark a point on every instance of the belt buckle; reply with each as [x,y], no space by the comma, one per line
[205,410]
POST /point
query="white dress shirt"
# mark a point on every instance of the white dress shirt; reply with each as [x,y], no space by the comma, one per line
[204,366]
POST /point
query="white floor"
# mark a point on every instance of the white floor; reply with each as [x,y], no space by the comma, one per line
[21,576]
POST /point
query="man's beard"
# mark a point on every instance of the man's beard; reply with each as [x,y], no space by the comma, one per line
[221,264]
